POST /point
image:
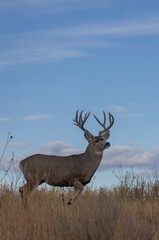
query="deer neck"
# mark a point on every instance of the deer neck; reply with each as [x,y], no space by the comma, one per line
[92,160]
[93,155]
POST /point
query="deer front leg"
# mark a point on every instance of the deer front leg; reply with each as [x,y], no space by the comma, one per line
[25,191]
[78,187]
[22,191]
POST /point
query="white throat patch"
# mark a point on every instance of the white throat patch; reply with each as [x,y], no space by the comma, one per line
[99,153]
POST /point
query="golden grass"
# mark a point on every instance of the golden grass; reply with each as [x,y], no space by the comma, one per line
[129,211]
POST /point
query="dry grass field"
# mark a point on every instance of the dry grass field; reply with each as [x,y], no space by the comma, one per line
[129,211]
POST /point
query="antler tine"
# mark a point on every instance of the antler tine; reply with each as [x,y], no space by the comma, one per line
[111,119]
[86,116]
[102,124]
[78,121]
[80,118]
[97,119]
[104,118]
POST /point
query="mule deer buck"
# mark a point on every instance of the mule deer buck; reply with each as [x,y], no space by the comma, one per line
[67,171]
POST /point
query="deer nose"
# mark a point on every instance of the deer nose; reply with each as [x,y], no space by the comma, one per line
[107,144]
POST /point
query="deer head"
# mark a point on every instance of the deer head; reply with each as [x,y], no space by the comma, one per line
[97,142]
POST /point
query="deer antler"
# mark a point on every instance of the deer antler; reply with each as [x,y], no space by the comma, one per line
[111,120]
[79,121]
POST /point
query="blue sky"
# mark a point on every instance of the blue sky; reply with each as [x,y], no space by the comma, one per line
[60,56]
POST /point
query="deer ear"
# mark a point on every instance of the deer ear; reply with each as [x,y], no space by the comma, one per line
[106,135]
[88,136]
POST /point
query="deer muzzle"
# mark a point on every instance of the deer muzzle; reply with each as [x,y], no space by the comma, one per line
[107,144]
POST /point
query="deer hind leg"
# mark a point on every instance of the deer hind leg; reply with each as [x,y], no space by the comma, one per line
[25,191]
[78,187]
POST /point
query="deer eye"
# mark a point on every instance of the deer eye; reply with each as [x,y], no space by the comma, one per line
[98,140]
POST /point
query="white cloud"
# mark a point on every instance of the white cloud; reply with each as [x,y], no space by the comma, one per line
[124,111]
[124,28]
[118,109]
[69,42]
[4,119]
[37,117]
[47,6]
[58,148]
[13,145]
[134,104]
[128,156]
[36,54]
[131,115]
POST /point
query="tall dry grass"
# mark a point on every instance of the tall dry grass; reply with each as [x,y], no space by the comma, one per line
[129,211]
